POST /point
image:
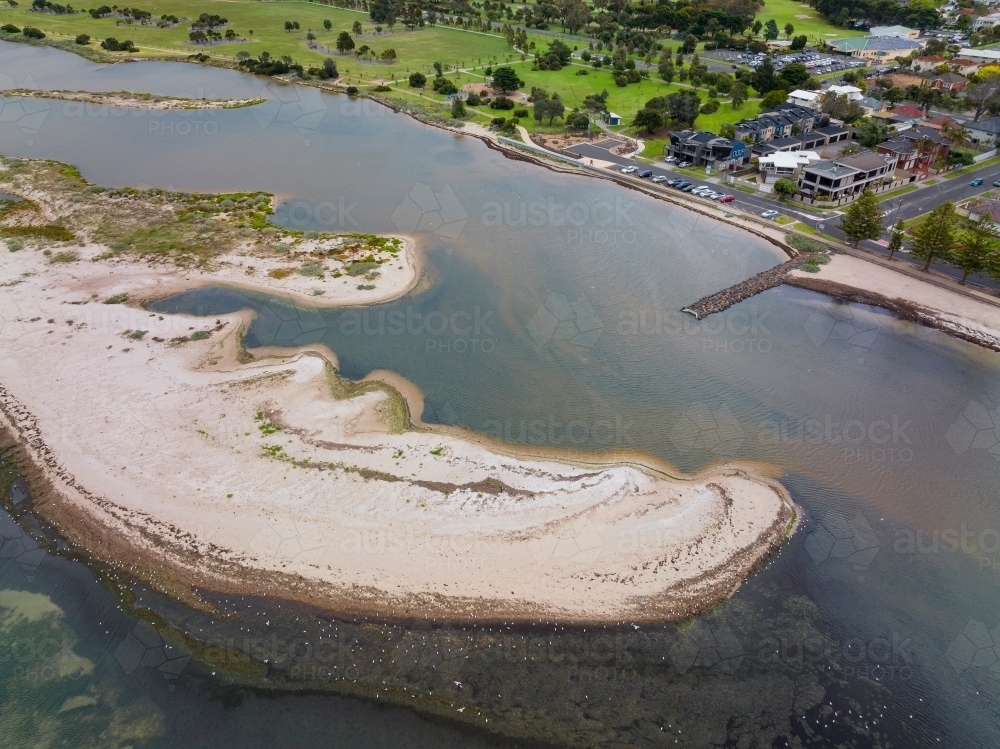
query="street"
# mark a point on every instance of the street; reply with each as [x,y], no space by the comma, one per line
[904,207]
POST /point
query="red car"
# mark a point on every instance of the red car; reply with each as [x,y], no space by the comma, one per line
[727,199]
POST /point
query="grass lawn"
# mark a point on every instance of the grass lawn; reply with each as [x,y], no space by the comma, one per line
[814,26]
[415,50]
[897,193]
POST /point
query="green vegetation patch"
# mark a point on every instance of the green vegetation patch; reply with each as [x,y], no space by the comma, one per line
[804,244]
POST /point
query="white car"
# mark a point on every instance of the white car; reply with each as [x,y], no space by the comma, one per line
[670,159]
[769,214]
[629,169]
[659,178]
[701,191]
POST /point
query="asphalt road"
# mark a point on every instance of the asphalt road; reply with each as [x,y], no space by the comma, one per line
[904,207]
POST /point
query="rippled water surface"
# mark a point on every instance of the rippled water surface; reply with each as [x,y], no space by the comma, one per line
[548,317]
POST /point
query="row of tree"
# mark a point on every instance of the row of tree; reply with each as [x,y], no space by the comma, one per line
[945,237]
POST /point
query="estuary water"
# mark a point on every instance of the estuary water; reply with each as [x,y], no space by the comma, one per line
[549,317]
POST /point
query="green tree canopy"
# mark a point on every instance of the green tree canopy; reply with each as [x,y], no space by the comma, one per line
[935,236]
[974,247]
[505,79]
[863,218]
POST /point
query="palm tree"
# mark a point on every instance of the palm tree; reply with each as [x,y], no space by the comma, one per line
[955,135]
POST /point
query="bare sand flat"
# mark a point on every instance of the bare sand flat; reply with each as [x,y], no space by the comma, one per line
[194,468]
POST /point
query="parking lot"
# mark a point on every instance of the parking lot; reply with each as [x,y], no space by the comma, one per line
[816,63]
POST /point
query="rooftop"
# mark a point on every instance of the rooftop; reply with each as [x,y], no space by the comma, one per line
[884,31]
[864,161]
[910,111]
[873,43]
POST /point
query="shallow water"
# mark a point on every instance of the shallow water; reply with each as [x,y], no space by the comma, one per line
[561,330]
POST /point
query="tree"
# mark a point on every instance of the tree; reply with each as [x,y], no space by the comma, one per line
[560,50]
[934,237]
[896,238]
[789,30]
[576,16]
[418,80]
[975,246]
[954,134]
[549,108]
[793,76]
[328,24]
[388,55]
[344,43]
[773,99]
[799,42]
[505,79]
[984,88]
[329,69]
[727,130]
[863,218]
[438,70]
[288,26]
[738,96]
[649,119]
[667,71]
[357,28]
[763,78]
[757,26]
[457,108]
[683,107]
[771,30]
[785,188]
[871,133]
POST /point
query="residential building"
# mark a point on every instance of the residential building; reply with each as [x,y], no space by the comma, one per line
[983,55]
[785,165]
[853,93]
[875,48]
[707,149]
[939,122]
[870,105]
[985,22]
[947,82]
[916,150]
[783,121]
[927,64]
[964,67]
[900,32]
[978,208]
[984,131]
[901,116]
[847,177]
[800,98]
[816,139]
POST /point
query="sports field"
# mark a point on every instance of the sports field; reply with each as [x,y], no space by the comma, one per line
[806,21]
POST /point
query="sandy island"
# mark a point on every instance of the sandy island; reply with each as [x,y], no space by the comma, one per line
[133,100]
[168,457]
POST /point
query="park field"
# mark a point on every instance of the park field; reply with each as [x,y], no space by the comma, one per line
[806,21]
[626,101]
[415,50]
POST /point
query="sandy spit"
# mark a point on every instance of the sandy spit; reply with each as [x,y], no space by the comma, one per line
[189,466]
[132,100]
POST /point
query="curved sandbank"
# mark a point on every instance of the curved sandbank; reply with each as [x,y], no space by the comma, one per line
[179,464]
[132,100]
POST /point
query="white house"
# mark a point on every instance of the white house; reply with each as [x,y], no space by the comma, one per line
[853,93]
[786,163]
[900,32]
[985,22]
[802,98]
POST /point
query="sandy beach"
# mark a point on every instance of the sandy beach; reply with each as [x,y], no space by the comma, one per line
[972,316]
[177,462]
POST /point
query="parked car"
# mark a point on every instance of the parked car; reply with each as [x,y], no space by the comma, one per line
[769,214]
[659,178]
[683,184]
[670,159]
[684,163]
[996,183]
[645,173]
[629,169]
[689,187]
[727,199]
[976,182]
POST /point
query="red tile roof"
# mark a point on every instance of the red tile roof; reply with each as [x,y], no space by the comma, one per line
[908,110]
